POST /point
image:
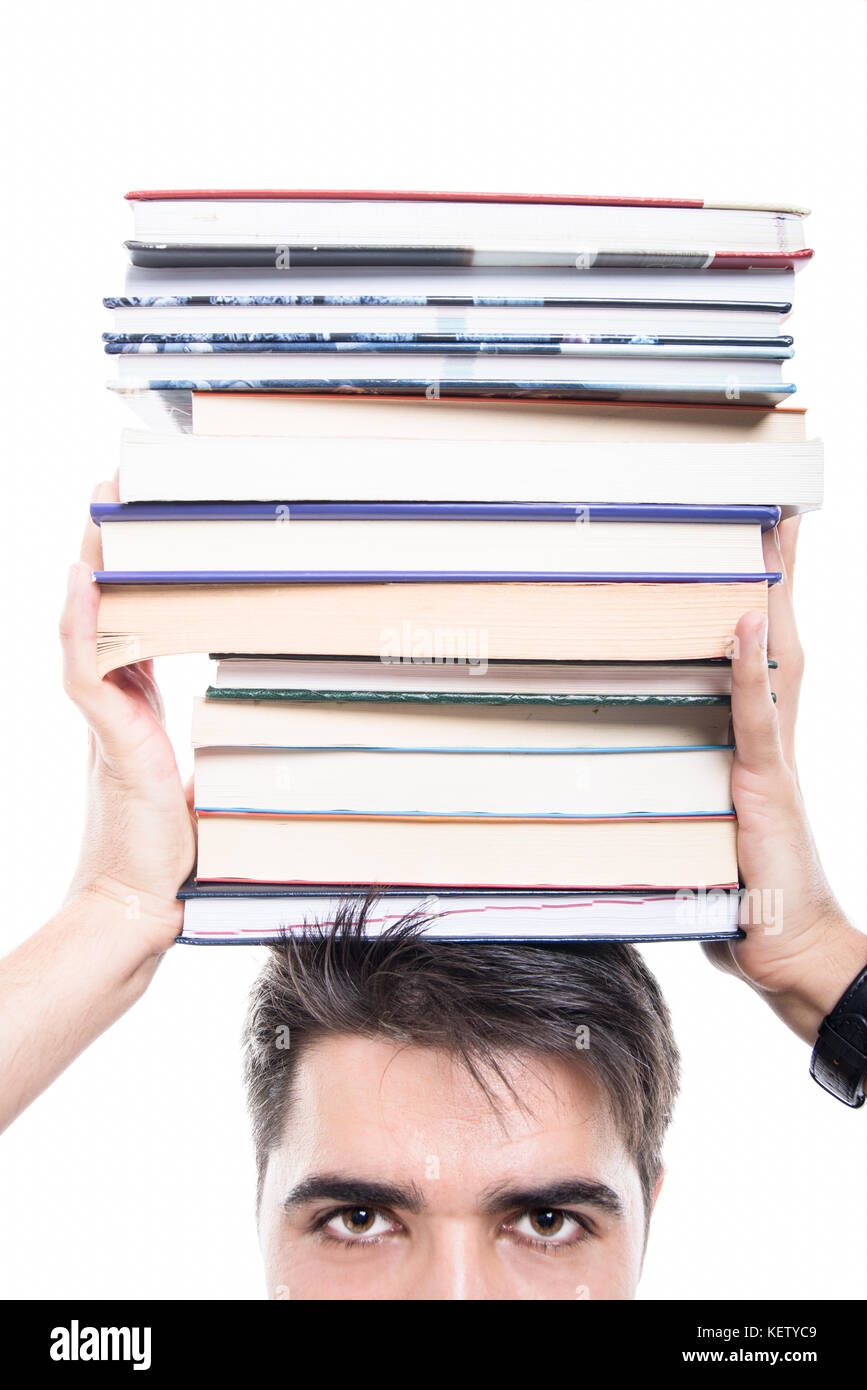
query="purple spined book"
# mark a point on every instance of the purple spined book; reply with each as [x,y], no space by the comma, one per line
[503,564]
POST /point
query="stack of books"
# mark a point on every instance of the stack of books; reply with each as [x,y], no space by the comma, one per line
[466,493]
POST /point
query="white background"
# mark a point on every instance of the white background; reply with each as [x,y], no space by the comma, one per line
[133,1176]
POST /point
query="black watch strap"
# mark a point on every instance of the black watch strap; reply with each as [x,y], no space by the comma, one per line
[839,1061]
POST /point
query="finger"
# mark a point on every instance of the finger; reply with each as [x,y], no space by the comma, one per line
[91,541]
[102,703]
[190,798]
[754,717]
[788,532]
[783,642]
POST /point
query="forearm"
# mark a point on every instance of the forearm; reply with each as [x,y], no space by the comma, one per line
[71,981]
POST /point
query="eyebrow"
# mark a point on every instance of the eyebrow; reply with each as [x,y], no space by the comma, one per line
[354,1192]
[568,1192]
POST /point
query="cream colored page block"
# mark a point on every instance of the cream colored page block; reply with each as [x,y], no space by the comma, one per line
[518,622]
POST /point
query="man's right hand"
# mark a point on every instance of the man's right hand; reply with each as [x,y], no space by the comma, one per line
[139,837]
[75,976]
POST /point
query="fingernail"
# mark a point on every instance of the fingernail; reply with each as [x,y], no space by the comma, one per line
[762,636]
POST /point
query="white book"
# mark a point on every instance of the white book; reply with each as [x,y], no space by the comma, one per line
[213,920]
[632,852]
[174,467]
[520,781]
[496,226]
[466,671]
[286,541]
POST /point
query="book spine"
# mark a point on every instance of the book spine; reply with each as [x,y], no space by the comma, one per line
[656,512]
[217,577]
[433,697]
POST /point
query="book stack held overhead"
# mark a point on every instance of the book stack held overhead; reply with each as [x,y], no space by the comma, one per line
[466,493]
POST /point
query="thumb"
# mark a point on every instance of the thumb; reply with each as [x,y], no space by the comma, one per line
[101,702]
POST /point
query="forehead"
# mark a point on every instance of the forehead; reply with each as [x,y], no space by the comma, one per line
[397,1112]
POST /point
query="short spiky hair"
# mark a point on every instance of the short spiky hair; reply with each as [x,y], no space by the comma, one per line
[480,1002]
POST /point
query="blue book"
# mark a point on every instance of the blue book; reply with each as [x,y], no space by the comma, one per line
[774,348]
[765,517]
[429,542]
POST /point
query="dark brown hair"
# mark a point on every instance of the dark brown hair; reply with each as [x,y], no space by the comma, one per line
[481,1002]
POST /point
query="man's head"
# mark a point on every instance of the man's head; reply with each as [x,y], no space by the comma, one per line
[441,1120]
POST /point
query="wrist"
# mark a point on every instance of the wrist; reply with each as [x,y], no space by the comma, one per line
[145,923]
[833,952]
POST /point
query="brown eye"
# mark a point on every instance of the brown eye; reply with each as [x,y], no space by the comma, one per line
[547,1228]
[360,1225]
[358,1220]
[546,1222]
